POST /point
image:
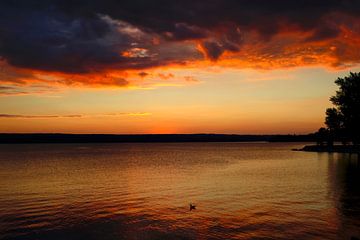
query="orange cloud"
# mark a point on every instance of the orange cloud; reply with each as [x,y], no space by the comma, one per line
[131,114]
[38,116]
[166,76]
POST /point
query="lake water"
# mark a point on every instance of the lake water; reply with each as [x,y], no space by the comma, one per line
[143,191]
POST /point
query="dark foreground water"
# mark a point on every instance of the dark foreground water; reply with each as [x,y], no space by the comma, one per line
[143,191]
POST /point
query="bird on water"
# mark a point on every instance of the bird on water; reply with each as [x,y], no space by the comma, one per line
[192,206]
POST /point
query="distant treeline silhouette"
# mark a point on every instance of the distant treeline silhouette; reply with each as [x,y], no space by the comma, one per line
[104,138]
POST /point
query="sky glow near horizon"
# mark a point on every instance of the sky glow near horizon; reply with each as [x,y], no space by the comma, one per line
[241,67]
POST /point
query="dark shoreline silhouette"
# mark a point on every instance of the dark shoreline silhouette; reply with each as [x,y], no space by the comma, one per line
[333,148]
[16,138]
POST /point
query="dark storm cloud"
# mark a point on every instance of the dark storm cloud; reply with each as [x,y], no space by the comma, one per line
[182,31]
[213,49]
[87,35]
[46,38]
[264,16]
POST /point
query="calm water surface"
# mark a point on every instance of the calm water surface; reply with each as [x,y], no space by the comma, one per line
[143,191]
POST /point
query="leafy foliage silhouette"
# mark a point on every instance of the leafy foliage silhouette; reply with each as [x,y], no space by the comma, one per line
[343,120]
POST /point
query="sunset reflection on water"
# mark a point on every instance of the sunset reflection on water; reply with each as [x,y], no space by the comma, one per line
[143,191]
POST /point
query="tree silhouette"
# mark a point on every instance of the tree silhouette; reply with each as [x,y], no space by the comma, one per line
[322,135]
[334,124]
[343,120]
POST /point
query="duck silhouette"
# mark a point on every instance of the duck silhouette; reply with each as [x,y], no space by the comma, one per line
[192,206]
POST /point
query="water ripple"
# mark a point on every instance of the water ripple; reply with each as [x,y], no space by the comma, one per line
[142,191]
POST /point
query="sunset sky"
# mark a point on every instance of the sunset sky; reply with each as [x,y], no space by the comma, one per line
[216,66]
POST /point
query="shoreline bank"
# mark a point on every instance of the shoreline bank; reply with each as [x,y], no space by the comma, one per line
[330,149]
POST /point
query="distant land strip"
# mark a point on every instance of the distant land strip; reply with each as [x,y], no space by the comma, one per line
[13,138]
